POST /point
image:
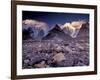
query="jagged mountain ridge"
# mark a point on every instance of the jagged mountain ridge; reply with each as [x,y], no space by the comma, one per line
[56,33]
[40,30]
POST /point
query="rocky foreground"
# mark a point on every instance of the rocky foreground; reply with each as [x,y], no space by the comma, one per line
[50,53]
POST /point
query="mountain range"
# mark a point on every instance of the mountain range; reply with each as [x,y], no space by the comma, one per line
[38,30]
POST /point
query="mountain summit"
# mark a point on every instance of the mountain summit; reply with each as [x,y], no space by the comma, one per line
[56,33]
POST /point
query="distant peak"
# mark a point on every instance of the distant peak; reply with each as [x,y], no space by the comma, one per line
[57,25]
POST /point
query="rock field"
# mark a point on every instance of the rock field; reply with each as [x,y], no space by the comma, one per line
[51,53]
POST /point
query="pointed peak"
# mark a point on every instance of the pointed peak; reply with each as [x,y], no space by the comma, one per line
[57,25]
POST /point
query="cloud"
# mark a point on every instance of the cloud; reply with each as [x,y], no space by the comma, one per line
[35,24]
[38,28]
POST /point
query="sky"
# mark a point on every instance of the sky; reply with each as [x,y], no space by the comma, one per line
[53,18]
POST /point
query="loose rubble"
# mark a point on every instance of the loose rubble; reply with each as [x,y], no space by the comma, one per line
[49,54]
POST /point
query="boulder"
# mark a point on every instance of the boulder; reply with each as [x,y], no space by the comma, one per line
[59,57]
[42,64]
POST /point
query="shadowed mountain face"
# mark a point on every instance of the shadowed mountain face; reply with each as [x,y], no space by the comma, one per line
[56,30]
[56,33]
[84,31]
